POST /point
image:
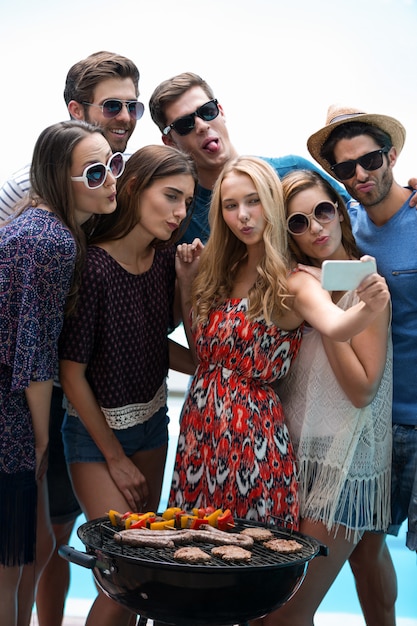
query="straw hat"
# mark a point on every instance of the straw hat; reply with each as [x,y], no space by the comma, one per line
[338,115]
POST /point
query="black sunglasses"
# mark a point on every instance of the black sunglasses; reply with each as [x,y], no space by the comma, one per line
[324,212]
[371,161]
[111,108]
[184,125]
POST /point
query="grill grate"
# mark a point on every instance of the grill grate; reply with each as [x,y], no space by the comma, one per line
[98,535]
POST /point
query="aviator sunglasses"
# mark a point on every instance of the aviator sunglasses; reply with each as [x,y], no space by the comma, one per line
[184,125]
[324,212]
[370,162]
[111,108]
[95,174]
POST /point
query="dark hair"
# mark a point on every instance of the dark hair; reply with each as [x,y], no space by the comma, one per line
[349,130]
[297,181]
[143,168]
[170,90]
[50,179]
[84,76]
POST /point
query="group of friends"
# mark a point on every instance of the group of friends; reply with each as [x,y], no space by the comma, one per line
[301,409]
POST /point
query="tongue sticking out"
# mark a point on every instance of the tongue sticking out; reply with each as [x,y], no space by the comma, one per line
[213,146]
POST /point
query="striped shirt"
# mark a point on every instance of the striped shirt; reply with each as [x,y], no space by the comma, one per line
[13,190]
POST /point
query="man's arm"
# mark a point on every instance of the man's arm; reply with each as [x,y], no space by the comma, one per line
[13,190]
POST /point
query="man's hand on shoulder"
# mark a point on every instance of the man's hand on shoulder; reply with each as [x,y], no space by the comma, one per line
[412,183]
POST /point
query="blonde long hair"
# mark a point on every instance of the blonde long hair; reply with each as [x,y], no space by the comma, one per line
[224,251]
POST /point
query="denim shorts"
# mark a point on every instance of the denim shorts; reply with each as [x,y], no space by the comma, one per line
[80,448]
[404,482]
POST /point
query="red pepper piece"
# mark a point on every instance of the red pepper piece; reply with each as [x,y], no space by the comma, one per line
[141,523]
[198,522]
[178,517]
[225,521]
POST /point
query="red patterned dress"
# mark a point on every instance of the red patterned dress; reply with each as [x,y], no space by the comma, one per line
[234,449]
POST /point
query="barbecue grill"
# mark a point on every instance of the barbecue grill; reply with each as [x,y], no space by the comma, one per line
[151,583]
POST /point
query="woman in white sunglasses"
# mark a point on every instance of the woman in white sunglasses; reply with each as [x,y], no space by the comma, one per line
[42,248]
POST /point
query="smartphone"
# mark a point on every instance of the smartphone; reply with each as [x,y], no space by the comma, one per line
[345,275]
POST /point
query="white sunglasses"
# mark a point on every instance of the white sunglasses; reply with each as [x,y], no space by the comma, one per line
[95,174]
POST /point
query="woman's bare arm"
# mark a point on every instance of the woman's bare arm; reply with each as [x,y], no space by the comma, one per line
[315,305]
[359,364]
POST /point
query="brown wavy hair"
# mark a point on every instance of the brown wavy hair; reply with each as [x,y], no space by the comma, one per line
[84,76]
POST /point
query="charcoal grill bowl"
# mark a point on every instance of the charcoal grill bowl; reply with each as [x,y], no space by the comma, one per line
[194,594]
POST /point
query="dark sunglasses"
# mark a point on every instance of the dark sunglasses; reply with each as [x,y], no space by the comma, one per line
[323,212]
[184,125]
[95,174]
[371,161]
[111,108]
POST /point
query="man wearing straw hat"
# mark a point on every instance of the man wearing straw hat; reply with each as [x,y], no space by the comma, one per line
[360,150]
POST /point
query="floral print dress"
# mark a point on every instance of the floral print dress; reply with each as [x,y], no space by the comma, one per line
[234,449]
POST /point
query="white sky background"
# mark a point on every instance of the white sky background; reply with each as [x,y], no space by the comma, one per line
[275,65]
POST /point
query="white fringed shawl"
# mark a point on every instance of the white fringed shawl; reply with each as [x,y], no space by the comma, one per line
[344,453]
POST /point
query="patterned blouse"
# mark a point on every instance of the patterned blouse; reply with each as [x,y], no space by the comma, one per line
[37,257]
[120,327]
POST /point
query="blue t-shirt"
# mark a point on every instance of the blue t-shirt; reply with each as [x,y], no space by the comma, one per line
[198,225]
[394,245]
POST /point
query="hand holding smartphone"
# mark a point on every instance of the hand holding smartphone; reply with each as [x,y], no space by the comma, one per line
[345,275]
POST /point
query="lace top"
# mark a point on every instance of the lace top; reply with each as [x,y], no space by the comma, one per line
[344,452]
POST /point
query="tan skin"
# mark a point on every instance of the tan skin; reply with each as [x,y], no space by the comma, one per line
[19,583]
[358,366]
[121,482]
